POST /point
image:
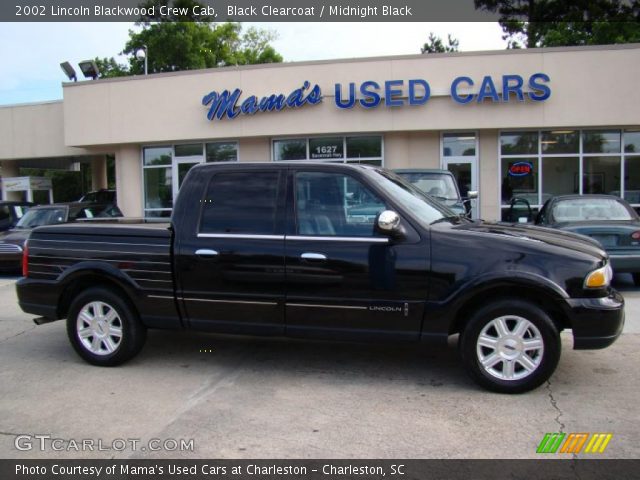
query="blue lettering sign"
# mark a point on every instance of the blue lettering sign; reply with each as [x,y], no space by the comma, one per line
[390,92]
[454,90]
[540,91]
[227,104]
[352,96]
[371,97]
[488,90]
[512,84]
[413,98]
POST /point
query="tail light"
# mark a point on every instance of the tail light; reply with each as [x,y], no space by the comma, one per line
[25,260]
[636,235]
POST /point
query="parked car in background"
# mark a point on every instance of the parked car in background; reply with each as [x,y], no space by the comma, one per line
[102,196]
[440,184]
[12,241]
[605,218]
[11,212]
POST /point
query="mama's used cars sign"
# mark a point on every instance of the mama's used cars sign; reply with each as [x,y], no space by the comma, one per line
[369,94]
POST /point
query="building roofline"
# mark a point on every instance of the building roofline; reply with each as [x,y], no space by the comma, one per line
[523,51]
[31,104]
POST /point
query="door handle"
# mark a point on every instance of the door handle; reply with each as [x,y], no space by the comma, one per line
[317,257]
[205,252]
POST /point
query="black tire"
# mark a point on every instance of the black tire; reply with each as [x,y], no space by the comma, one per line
[109,314]
[636,279]
[508,350]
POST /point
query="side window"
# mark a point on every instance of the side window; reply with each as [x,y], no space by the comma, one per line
[241,202]
[331,204]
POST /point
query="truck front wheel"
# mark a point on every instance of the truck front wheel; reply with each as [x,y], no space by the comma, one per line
[510,346]
[103,329]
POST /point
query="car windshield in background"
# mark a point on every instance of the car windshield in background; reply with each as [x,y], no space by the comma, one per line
[588,209]
[37,217]
[436,184]
[425,209]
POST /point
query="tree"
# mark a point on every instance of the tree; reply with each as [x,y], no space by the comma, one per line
[547,23]
[436,45]
[188,42]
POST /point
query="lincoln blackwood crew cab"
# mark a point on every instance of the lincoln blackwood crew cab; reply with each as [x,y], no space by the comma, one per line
[329,251]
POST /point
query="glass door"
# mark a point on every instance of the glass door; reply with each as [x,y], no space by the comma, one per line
[459,156]
[185,157]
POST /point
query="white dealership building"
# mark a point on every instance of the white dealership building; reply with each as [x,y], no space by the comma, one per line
[529,123]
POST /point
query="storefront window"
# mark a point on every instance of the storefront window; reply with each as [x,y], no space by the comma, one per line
[326,148]
[157,156]
[222,152]
[520,179]
[560,176]
[295,149]
[571,161]
[605,141]
[519,143]
[601,175]
[190,150]
[157,188]
[364,147]
[560,141]
[632,141]
[632,179]
[358,149]
[459,144]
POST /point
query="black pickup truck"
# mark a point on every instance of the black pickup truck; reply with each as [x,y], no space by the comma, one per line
[328,251]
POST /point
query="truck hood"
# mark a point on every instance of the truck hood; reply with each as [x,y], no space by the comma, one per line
[562,239]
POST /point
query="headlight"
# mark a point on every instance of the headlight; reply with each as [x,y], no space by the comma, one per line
[599,278]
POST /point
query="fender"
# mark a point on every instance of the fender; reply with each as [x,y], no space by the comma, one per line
[440,315]
[101,269]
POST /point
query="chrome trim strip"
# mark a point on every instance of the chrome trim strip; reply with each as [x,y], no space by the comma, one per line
[247,302]
[165,297]
[207,252]
[35,255]
[150,280]
[102,251]
[100,243]
[339,239]
[241,235]
[311,305]
[52,265]
[162,272]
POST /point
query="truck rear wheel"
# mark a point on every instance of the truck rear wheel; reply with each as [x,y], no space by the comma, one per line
[103,329]
[510,346]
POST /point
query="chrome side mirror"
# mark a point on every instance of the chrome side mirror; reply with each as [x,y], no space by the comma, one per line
[472,194]
[388,221]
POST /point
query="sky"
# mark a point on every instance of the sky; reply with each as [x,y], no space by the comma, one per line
[32,52]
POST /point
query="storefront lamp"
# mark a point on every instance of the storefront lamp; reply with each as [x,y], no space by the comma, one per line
[89,69]
[69,71]
[141,54]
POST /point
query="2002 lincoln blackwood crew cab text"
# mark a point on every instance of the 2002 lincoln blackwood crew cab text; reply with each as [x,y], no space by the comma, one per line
[330,251]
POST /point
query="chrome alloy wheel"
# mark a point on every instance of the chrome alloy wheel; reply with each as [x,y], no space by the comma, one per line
[510,347]
[99,328]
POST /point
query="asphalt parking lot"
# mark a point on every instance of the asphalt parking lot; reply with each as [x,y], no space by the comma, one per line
[273,398]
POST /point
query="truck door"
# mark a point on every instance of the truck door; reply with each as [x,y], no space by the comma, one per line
[230,261]
[344,278]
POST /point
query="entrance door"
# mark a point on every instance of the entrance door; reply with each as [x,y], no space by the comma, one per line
[459,156]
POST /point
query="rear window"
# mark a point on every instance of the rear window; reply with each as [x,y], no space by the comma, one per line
[585,209]
[241,203]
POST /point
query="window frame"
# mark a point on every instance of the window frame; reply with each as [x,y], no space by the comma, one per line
[580,155]
[344,158]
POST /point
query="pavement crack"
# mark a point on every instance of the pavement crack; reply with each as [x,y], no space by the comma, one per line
[17,334]
[554,404]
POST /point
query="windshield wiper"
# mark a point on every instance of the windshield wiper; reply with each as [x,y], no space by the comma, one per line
[447,219]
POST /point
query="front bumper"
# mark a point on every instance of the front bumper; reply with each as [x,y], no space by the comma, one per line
[596,322]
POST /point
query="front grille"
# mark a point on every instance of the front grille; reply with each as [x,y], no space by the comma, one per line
[10,248]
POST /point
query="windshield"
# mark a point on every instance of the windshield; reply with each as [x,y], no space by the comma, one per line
[439,185]
[584,209]
[427,210]
[42,216]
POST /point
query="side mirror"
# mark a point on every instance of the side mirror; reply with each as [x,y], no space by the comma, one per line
[388,221]
[472,194]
